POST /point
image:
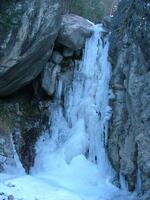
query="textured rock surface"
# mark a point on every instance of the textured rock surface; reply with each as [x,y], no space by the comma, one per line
[22,119]
[57,57]
[67,52]
[28,30]
[6,146]
[129,136]
[49,78]
[74,31]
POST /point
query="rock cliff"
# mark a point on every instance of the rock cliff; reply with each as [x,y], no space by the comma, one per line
[129,134]
[28,30]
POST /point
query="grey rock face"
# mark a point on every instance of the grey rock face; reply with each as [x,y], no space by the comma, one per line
[57,57]
[67,52]
[129,135]
[49,78]
[6,146]
[10,197]
[74,31]
[27,33]
[107,21]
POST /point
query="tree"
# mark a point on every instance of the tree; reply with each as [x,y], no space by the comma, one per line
[93,10]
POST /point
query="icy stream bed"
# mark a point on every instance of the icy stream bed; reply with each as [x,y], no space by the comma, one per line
[80,180]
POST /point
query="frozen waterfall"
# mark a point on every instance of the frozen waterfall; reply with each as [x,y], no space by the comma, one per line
[79,126]
[71,162]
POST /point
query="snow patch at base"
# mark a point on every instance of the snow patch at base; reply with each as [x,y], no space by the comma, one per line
[78,180]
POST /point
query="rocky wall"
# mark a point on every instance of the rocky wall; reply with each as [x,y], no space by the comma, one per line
[129,133]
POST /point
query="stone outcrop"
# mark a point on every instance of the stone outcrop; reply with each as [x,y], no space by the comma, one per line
[49,78]
[57,57]
[62,59]
[28,30]
[129,135]
[74,31]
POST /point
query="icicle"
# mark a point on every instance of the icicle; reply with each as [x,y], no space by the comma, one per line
[138,180]
[123,183]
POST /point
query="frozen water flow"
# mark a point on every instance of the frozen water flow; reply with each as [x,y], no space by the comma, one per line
[138,180]
[123,183]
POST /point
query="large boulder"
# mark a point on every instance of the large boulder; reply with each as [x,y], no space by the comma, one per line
[74,31]
[28,30]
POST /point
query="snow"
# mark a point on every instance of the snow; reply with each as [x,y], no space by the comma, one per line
[71,162]
[78,180]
